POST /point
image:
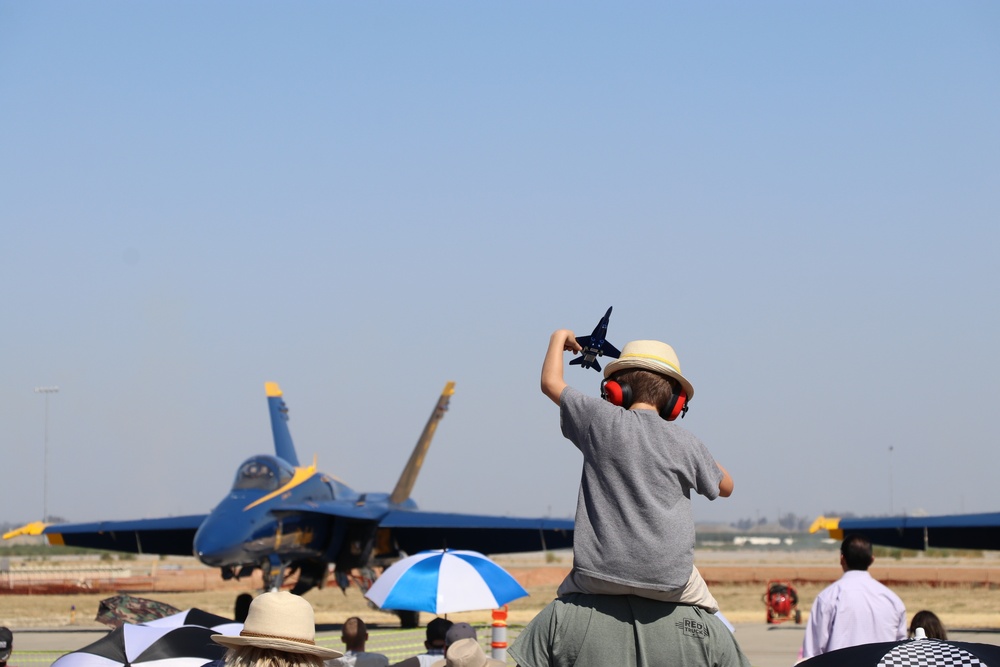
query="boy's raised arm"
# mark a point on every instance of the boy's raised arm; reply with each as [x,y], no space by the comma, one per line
[553,383]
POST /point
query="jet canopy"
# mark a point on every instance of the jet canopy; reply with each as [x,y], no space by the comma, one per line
[263,473]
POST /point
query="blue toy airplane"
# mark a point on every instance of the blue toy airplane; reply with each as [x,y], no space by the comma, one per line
[595,346]
[281,517]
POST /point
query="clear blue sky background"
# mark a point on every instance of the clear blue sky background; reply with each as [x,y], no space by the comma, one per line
[362,201]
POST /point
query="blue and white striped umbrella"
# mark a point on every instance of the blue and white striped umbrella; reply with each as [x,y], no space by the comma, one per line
[444,581]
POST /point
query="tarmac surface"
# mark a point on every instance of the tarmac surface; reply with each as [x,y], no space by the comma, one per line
[764,645]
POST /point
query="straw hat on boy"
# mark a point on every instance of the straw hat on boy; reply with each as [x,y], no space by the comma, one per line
[281,621]
[650,355]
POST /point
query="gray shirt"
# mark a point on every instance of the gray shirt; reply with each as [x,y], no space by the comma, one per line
[359,659]
[600,630]
[633,512]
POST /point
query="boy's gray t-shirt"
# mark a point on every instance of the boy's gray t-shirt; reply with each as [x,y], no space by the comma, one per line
[633,512]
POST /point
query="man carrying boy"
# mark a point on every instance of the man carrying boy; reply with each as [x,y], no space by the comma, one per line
[634,533]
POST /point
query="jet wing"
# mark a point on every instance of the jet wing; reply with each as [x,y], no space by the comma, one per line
[610,350]
[414,530]
[954,531]
[171,536]
[417,531]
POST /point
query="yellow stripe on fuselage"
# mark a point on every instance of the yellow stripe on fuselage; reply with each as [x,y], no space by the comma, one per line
[300,476]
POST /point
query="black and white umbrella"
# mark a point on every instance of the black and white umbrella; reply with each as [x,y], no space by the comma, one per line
[910,653]
[145,646]
[195,616]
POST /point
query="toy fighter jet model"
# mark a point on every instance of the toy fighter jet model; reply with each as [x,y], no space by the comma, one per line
[595,346]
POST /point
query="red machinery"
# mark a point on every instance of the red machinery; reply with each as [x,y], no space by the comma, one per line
[782,601]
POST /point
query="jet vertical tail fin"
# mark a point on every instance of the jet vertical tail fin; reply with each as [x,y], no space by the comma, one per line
[409,477]
[283,446]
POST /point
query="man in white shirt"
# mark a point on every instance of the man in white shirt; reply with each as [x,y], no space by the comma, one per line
[354,635]
[855,609]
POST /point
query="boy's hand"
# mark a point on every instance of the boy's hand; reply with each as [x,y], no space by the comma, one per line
[569,342]
[726,484]
[553,384]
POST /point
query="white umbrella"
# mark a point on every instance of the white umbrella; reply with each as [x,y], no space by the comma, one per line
[444,581]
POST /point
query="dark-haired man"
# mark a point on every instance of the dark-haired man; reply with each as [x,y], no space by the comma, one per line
[437,630]
[855,609]
[354,634]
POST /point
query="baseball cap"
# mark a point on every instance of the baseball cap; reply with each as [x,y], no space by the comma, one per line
[459,631]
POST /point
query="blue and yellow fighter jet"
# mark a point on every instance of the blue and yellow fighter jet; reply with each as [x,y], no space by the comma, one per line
[951,531]
[281,517]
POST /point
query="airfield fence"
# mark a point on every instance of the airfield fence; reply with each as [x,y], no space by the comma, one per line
[41,578]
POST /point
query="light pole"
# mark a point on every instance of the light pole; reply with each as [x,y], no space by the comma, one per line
[891,508]
[45,391]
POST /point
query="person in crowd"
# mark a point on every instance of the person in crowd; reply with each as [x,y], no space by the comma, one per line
[456,633]
[467,653]
[279,631]
[6,645]
[242,607]
[354,634]
[855,609]
[436,633]
[932,625]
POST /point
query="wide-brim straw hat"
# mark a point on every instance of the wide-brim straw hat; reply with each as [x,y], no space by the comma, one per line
[467,653]
[281,621]
[650,355]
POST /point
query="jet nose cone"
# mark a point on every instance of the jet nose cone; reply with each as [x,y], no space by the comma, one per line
[215,545]
[207,548]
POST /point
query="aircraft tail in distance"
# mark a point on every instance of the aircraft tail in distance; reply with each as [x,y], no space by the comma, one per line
[406,481]
[283,446]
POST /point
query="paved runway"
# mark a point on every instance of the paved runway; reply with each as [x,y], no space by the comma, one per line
[765,646]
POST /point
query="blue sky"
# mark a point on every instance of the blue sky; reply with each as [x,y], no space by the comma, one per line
[362,201]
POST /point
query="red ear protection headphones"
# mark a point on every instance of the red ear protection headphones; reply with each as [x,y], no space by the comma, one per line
[621,394]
